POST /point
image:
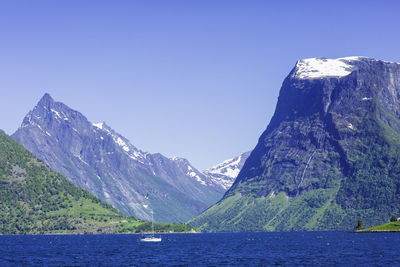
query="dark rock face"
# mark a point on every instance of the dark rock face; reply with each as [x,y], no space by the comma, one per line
[328,157]
[96,158]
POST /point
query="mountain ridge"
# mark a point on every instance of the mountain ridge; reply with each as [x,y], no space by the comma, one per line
[97,158]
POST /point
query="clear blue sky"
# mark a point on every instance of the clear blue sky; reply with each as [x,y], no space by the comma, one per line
[195,79]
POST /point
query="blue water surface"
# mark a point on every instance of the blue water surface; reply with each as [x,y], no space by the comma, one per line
[211,249]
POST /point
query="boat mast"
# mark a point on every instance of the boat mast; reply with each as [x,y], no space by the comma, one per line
[152,223]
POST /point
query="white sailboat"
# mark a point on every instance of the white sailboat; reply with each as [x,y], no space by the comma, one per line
[151,238]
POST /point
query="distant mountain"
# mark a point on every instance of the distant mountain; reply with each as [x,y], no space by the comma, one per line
[329,157]
[96,158]
[226,172]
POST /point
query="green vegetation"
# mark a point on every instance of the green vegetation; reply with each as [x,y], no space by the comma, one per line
[36,200]
[310,211]
[360,225]
[142,227]
[387,227]
[375,167]
[393,226]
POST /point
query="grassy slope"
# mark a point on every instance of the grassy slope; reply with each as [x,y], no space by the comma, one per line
[34,199]
[393,226]
[271,213]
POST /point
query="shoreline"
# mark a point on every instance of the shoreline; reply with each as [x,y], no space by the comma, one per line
[165,233]
[144,233]
[375,231]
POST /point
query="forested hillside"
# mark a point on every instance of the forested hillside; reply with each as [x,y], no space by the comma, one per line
[34,199]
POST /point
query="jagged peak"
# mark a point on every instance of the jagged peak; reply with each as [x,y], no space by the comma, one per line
[47,96]
[46,100]
[57,109]
[48,111]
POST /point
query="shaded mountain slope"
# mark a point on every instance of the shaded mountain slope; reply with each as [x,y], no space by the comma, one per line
[96,158]
[329,156]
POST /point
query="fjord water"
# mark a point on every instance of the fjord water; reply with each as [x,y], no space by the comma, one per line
[254,249]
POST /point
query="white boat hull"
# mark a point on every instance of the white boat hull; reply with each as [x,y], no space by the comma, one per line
[151,239]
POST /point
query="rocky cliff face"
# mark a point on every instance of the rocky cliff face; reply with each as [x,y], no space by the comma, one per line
[95,157]
[329,156]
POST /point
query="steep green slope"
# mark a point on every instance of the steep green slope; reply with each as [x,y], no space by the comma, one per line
[34,199]
[330,155]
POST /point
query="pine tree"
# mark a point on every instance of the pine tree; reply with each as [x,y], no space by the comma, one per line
[360,225]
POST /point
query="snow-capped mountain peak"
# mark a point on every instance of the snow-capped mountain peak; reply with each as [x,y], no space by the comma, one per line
[317,68]
[226,172]
[228,167]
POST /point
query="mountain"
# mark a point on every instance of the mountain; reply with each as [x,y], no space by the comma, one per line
[96,158]
[34,199]
[329,156]
[226,172]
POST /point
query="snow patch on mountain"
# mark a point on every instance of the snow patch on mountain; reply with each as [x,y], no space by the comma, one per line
[312,68]
[98,125]
[58,116]
[225,173]
[193,174]
[228,167]
[121,143]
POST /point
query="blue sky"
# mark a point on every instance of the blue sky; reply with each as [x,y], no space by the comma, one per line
[195,79]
